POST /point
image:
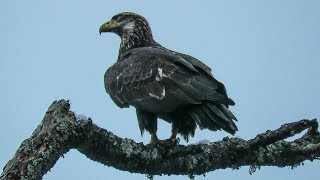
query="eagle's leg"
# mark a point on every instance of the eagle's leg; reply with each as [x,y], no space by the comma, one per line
[154,138]
[148,121]
[173,140]
[174,133]
[167,142]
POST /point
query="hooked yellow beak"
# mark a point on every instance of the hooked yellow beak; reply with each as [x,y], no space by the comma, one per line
[108,26]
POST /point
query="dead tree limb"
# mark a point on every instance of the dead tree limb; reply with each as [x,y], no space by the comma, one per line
[60,131]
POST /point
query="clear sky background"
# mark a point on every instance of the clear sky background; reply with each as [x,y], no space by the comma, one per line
[267,53]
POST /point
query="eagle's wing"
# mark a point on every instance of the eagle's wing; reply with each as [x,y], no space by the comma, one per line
[127,81]
[153,72]
[200,66]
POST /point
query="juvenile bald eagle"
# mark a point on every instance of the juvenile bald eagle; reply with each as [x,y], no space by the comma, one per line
[161,83]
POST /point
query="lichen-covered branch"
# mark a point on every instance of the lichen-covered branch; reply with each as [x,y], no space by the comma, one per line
[60,131]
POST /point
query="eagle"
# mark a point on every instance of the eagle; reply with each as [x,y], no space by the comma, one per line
[165,84]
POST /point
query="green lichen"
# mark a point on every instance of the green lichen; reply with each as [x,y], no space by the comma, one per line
[308,146]
[127,147]
[260,155]
[206,149]
[150,155]
[33,169]
[191,163]
[154,154]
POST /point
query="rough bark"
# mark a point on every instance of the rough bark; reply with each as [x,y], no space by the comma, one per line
[60,131]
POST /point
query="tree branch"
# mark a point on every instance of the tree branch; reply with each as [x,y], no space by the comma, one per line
[60,131]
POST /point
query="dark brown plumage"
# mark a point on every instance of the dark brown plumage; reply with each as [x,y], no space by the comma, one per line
[161,83]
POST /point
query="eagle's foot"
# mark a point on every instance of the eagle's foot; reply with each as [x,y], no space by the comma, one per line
[175,141]
[167,142]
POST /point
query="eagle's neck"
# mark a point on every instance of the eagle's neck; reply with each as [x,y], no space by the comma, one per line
[137,34]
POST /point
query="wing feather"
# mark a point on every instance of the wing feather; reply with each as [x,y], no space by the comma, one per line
[151,73]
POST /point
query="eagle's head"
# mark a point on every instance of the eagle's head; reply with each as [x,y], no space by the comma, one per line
[124,23]
[133,29]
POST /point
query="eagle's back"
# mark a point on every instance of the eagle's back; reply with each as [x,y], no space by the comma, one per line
[159,80]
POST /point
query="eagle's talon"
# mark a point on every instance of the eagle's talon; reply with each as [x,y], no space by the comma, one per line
[166,142]
[176,141]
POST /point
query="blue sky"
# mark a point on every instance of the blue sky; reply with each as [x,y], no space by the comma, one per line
[267,53]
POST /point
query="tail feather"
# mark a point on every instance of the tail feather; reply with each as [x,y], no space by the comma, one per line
[214,117]
[202,119]
[218,112]
[227,112]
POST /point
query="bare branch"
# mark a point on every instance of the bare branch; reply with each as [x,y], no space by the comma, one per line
[285,131]
[60,131]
